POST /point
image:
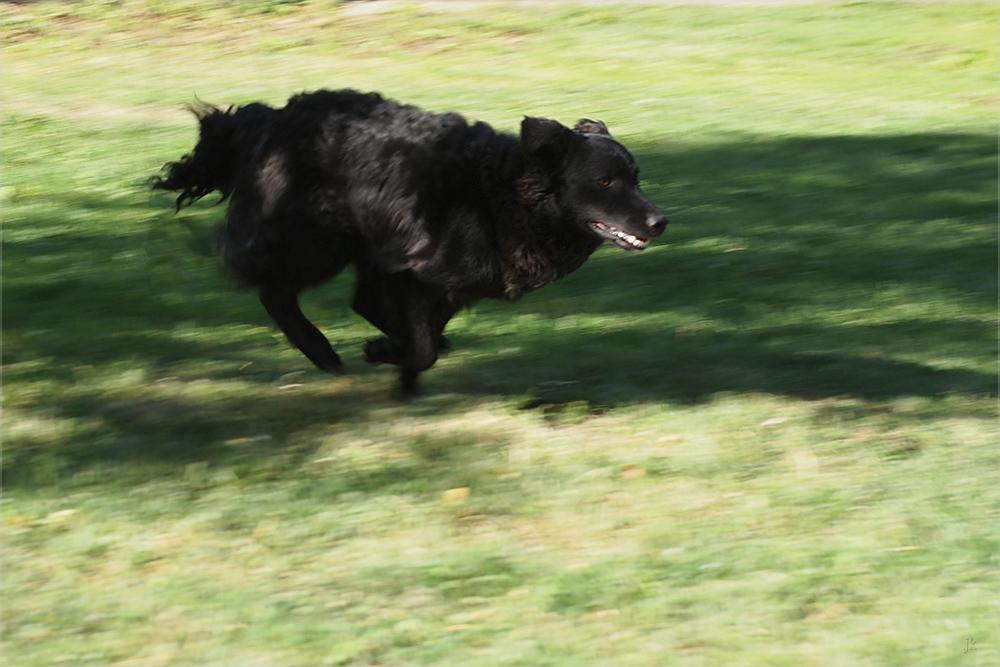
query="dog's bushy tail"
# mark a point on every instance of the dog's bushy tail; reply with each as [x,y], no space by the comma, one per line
[226,139]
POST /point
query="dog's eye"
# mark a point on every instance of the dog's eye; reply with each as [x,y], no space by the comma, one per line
[604,181]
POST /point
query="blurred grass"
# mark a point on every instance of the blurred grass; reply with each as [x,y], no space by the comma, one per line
[769,439]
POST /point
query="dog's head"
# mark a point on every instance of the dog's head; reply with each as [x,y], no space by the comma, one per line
[594,179]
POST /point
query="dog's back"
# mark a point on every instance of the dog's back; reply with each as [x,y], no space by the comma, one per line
[351,169]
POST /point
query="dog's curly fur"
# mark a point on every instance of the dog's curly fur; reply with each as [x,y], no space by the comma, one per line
[433,212]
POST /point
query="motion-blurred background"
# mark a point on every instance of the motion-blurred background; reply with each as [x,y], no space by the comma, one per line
[771,438]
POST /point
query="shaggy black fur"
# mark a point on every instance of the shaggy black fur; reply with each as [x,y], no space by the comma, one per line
[434,213]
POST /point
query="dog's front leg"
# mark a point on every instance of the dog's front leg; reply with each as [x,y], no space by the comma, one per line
[377,299]
[411,316]
[427,317]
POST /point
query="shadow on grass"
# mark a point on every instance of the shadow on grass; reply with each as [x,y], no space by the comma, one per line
[806,267]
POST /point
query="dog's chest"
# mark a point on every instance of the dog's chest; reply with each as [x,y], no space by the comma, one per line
[529,266]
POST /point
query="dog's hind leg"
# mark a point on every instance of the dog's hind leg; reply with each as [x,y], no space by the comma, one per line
[282,304]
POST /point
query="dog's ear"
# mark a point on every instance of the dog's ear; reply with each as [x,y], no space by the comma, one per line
[545,138]
[587,126]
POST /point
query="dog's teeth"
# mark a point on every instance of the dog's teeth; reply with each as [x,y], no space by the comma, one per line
[630,239]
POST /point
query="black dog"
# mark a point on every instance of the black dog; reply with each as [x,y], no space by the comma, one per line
[434,213]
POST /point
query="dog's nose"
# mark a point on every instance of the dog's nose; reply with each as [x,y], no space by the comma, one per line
[657,222]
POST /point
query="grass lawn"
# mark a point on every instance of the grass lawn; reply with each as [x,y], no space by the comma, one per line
[771,438]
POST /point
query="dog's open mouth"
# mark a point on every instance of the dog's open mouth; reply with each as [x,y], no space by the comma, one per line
[620,238]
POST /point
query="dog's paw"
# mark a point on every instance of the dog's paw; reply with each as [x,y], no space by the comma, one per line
[381,351]
[329,363]
[408,387]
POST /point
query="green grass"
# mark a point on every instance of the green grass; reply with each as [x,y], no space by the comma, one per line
[769,439]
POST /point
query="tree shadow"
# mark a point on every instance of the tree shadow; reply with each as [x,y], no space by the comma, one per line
[811,267]
[774,243]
